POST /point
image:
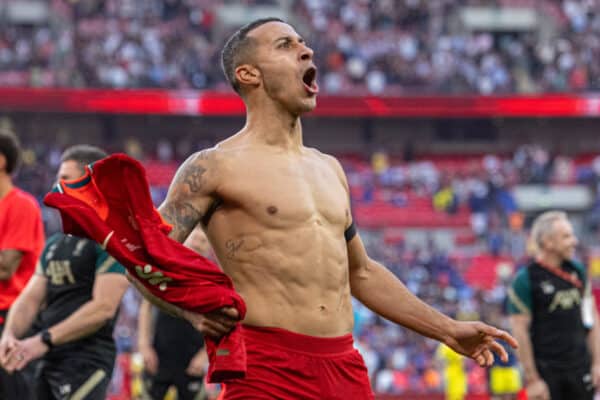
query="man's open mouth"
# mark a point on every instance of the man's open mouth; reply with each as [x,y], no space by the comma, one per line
[310,80]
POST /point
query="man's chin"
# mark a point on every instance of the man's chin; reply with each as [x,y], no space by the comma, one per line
[304,106]
[569,255]
[309,104]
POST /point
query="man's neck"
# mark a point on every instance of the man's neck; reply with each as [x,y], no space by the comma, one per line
[275,126]
[5,184]
[550,260]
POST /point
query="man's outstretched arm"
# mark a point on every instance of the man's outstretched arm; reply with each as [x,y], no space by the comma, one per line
[382,292]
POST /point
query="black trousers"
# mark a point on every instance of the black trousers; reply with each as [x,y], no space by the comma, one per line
[16,386]
[72,379]
[568,385]
[188,387]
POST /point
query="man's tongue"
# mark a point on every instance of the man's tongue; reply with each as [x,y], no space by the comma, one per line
[313,88]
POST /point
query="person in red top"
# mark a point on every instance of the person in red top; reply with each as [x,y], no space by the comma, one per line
[21,242]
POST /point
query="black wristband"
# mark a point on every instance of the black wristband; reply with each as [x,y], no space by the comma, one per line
[47,338]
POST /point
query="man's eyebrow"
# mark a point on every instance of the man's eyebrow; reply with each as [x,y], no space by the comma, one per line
[289,38]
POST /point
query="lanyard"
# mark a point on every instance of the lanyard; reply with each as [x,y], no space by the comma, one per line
[561,273]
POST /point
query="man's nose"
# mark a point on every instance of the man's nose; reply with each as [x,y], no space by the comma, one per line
[306,53]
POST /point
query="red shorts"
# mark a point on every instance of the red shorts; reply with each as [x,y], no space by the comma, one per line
[287,365]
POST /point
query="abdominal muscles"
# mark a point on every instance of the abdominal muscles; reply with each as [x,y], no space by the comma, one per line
[294,279]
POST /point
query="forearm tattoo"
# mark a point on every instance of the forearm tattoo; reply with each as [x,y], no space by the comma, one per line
[183,217]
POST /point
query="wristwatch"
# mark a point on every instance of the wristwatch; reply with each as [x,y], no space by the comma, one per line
[47,338]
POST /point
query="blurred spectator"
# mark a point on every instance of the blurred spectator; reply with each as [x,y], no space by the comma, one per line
[455,376]
[378,46]
[445,199]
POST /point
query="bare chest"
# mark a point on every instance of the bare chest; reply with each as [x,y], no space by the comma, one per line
[280,192]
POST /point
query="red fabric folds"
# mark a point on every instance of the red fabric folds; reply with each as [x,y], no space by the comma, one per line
[111,204]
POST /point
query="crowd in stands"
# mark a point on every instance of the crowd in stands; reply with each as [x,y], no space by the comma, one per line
[375,46]
[389,46]
[116,44]
[481,186]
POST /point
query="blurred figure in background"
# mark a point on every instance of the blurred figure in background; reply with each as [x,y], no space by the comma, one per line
[76,289]
[455,375]
[172,349]
[504,377]
[554,317]
[21,242]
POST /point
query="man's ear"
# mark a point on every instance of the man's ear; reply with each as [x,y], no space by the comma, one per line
[247,75]
[2,162]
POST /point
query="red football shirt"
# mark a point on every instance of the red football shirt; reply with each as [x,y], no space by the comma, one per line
[21,228]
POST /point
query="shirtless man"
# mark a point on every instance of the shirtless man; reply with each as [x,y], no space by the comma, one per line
[277,214]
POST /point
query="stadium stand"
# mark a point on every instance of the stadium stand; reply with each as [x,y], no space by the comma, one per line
[378,47]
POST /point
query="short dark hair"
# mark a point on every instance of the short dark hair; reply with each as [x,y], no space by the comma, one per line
[236,48]
[10,148]
[83,154]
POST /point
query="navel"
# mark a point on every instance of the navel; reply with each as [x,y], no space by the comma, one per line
[272,210]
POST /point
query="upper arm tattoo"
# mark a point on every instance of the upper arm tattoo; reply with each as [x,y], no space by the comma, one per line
[191,176]
[189,185]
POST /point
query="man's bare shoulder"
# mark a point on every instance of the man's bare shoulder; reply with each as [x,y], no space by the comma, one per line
[231,146]
[203,169]
[323,156]
[330,160]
